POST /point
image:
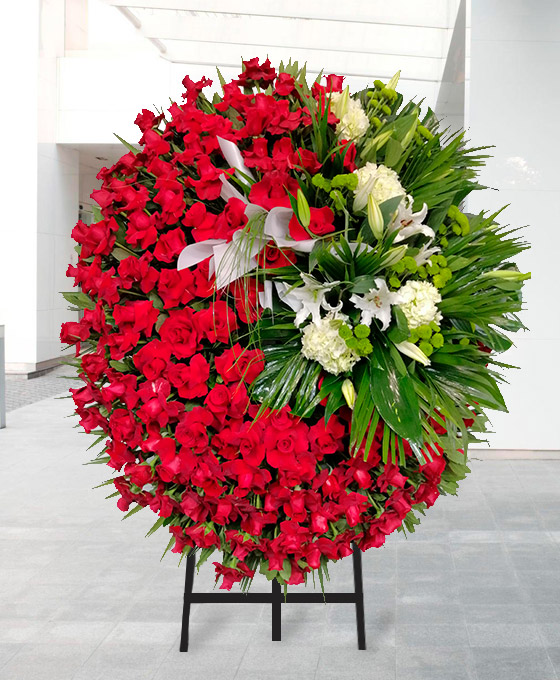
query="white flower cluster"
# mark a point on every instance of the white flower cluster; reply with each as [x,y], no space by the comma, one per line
[321,342]
[379,181]
[352,120]
[418,301]
[376,304]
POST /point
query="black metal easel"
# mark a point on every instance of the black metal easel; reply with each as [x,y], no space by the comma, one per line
[276,599]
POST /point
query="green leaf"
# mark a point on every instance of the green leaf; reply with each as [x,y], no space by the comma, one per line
[394,396]
[399,332]
[364,406]
[168,548]
[388,209]
[158,523]
[286,570]
[130,147]
[404,125]
[133,511]
[205,554]
[307,396]
[393,152]
[120,254]
[81,300]
[119,366]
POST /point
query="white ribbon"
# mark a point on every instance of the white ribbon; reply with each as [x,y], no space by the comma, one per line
[230,261]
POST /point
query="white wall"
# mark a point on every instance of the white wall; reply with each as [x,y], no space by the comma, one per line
[40,188]
[102,89]
[513,103]
[18,178]
[57,213]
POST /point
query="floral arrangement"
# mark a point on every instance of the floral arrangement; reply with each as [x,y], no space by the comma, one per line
[290,326]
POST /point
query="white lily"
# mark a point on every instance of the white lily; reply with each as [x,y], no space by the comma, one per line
[376,304]
[232,260]
[409,223]
[425,253]
[309,299]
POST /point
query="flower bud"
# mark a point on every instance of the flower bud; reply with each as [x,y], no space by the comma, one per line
[393,256]
[349,393]
[304,213]
[506,275]
[382,138]
[392,84]
[339,105]
[375,217]
[413,352]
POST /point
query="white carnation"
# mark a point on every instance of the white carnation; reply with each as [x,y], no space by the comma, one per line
[418,301]
[353,122]
[321,342]
[379,181]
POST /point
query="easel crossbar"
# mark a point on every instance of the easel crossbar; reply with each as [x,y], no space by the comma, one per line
[275,598]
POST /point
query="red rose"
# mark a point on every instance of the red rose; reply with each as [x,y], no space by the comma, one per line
[190,380]
[103,197]
[175,287]
[348,151]
[192,429]
[194,88]
[321,224]
[94,365]
[203,284]
[391,476]
[237,364]
[138,474]
[283,119]
[327,438]
[171,198]
[138,317]
[231,219]
[306,159]
[257,156]
[217,323]
[73,331]
[141,230]
[426,493]
[137,270]
[155,143]
[217,402]
[119,454]
[209,186]
[253,71]
[96,239]
[121,386]
[284,85]
[283,447]
[180,331]
[232,575]
[273,190]
[202,222]
[152,359]
[433,470]
[146,120]
[125,428]
[273,257]
[169,245]
[245,294]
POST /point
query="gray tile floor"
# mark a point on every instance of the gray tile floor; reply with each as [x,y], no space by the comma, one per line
[20,391]
[474,595]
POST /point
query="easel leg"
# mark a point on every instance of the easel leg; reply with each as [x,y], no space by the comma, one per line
[189,578]
[276,611]
[359,590]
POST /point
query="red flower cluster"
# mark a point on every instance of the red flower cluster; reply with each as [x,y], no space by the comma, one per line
[167,366]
